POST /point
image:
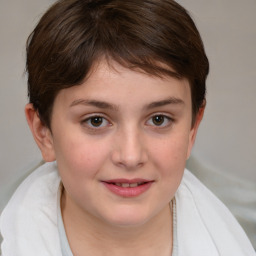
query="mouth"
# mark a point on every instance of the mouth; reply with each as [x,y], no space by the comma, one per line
[127,185]
[128,188]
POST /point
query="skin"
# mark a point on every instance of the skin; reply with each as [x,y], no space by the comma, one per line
[119,124]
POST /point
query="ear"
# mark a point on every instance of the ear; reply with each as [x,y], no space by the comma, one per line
[194,129]
[42,134]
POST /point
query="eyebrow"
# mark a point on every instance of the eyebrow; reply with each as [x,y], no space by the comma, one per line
[169,101]
[106,105]
[96,103]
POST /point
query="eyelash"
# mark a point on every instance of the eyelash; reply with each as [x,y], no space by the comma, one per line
[103,122]
[167,121]
[88,122]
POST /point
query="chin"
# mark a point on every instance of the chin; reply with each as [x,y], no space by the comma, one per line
[126,218]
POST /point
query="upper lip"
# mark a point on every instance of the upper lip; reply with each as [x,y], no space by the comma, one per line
[129,181]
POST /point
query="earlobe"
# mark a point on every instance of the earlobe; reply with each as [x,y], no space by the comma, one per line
[41,133]
[193,132]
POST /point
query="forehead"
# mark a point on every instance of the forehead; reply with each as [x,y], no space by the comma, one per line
[113,82]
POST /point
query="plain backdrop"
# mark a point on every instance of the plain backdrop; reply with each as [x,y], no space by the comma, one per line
[227,137]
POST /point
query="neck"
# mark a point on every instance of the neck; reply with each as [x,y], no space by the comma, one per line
[87,233]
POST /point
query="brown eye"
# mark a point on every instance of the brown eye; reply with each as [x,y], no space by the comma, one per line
[158,120]
[96,121]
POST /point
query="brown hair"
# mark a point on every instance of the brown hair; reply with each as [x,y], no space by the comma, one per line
[138,34]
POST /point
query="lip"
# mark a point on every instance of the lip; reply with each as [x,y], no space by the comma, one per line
[128,191]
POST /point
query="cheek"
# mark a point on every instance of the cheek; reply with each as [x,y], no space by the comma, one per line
[173,148]
[170,161]
[79,157]
[170,155]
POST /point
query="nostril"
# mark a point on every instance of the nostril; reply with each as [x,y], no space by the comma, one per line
[129,152]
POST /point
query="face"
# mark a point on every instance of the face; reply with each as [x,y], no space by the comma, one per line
[121,140]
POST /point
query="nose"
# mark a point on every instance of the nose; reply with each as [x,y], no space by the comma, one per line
[130,149]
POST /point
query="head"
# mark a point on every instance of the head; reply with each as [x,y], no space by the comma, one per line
[117,91]
[156,37]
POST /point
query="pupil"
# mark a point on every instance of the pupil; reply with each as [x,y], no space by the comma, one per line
[96,121]
[158,120]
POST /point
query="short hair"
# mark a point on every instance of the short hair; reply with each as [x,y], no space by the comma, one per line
[155,36]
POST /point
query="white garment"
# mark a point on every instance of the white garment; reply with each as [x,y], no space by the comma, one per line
[205,227]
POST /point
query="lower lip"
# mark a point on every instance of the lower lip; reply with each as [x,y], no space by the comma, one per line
[128,192]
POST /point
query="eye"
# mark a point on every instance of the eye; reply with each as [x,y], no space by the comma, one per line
[96,122]
[159,120]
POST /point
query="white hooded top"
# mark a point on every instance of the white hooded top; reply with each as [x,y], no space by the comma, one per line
[205,227]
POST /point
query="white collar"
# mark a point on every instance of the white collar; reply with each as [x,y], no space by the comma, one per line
[204,225]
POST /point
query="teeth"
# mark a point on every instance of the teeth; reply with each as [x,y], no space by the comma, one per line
[127,185]
[133,185]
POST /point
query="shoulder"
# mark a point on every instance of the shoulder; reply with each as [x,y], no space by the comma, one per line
[30,215]
[37,188]
[204,223]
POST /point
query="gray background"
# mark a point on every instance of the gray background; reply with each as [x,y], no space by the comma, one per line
[227,137]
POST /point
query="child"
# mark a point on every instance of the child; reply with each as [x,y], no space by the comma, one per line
[117,93]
